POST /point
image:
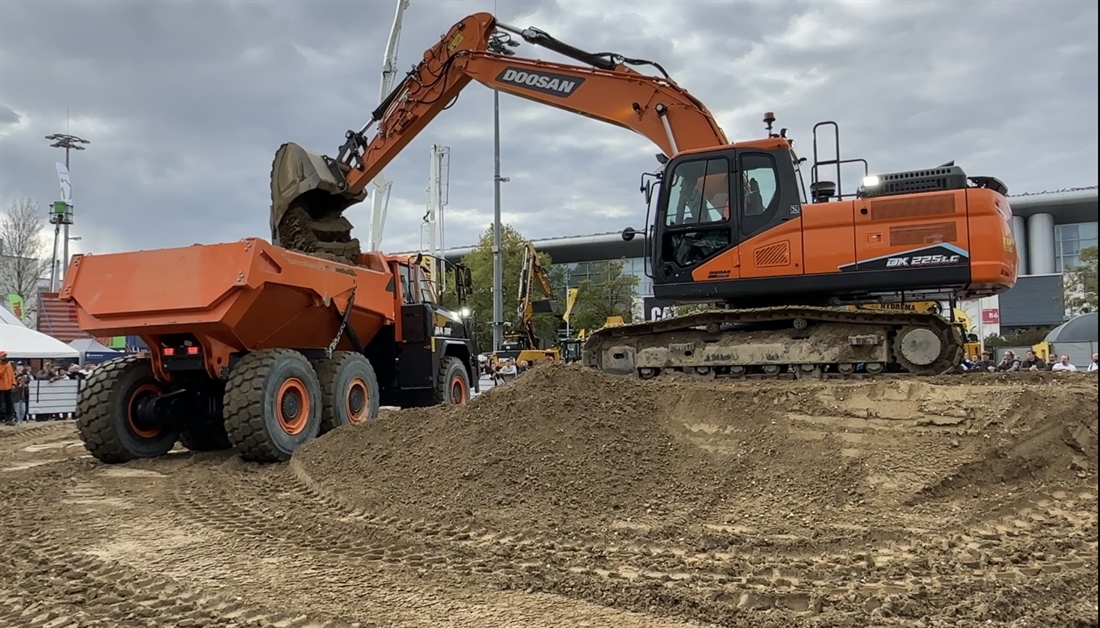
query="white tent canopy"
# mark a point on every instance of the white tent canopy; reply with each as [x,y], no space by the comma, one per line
[90,345]
[7,318]
[23,343]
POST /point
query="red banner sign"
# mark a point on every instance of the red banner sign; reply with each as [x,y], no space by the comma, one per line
[991,317]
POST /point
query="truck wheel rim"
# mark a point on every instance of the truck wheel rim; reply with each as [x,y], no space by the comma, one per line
[458,391]
[292,406]
[138,427]
[357,401]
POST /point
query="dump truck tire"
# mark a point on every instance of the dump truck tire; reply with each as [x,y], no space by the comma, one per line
[205,437]
[106,412]
[453,386]
[272,404]
[349,390]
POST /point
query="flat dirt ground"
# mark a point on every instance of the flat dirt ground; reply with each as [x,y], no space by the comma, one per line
[569,498]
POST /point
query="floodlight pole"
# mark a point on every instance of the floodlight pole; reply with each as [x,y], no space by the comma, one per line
[498,260]
[62,221]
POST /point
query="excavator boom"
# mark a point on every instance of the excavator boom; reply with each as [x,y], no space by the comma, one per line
[310,190]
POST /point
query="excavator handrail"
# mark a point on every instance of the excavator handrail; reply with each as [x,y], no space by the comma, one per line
[478,48]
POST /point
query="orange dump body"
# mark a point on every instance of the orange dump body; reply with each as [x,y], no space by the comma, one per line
[233,297]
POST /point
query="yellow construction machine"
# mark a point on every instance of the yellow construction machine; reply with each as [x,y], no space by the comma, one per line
[524,345]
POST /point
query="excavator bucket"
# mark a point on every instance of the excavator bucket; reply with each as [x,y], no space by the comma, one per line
[307,205]
[545,306]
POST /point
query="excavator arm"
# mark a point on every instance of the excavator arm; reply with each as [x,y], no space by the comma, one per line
[312,190]
[534,272]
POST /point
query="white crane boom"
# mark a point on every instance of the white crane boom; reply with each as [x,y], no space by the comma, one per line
[380,196]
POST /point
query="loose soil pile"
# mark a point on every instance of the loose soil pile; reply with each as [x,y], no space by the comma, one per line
[945,501]
[569,498]
[567,447]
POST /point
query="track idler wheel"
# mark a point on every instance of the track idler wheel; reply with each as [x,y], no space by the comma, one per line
[349,390]
[112,412]
[272,404]
[918,350]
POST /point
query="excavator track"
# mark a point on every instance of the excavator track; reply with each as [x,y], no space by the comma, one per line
[780,342]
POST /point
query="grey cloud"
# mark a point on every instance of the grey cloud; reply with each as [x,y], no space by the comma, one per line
[9,116]
[186,103]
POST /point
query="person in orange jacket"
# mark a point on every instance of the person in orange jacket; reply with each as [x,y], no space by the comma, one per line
[7,389]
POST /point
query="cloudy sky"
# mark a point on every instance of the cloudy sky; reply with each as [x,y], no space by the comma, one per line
[186,102]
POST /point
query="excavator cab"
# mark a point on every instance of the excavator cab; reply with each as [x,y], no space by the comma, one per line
[734,224]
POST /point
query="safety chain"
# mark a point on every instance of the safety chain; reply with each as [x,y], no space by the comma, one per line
[336,340]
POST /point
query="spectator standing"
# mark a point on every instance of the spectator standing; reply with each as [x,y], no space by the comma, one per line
[1092,367]
[1009,362]
[7,390]
[22,393]
[1032,363]
[985,363]
[1064,365]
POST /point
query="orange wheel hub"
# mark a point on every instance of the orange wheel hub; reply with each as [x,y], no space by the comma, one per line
[458,391]
[141,428]
[357,402]
[292,406]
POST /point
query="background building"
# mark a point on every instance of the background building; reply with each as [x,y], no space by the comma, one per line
[1050,228]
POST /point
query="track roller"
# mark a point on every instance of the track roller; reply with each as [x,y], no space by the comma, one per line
[110,417]
[349,390]
[272,404]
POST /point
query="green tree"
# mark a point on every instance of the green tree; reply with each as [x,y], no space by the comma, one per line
[1080,284]
[609,294]
[480,261]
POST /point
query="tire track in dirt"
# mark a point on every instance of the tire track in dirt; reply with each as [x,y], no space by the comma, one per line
[805,580]
[271,514]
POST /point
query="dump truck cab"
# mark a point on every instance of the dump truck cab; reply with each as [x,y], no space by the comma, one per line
[429,337]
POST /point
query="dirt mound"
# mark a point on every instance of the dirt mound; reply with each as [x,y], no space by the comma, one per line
[570,448]
[563,444]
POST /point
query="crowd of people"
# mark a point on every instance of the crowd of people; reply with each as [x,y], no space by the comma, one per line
[1030,362]
[15,386]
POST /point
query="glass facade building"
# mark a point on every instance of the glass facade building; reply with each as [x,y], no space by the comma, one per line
[595,271]
[1069,240]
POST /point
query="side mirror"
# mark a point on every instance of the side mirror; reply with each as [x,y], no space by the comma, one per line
[628,234]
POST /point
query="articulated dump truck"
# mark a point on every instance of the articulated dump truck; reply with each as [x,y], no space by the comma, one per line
[259,347]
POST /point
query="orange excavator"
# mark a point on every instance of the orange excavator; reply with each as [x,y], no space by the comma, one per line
[732,223]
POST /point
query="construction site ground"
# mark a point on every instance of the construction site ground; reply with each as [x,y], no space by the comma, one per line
[570,498]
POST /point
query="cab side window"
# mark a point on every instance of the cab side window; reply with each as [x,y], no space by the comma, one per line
[408,290]
[759,192]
